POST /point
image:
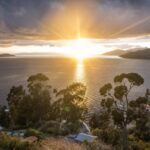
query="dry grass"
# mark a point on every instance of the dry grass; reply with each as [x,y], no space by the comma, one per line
[59,144]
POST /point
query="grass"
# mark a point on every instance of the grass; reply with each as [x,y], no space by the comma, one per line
[32,143]
[61,144]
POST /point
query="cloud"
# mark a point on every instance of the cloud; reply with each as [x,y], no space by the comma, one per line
[62,19]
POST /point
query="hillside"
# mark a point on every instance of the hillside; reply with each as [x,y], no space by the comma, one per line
[7,55]
[140,54]
[115,53]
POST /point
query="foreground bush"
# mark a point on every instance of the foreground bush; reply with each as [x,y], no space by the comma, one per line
[34,132]
[135,144]
[109,136]
[11,143]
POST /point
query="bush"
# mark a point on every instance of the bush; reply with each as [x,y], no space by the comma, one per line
[10,143]
[132,138]
[136,146]
[110,136]
[143,135]
[34,132]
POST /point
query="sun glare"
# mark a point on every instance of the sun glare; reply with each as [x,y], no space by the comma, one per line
[81,48]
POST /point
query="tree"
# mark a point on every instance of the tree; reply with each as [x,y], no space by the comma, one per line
[142,129]
[31,106]
[15,96]
[72,103]
[4,116]
[40,97]
[116,101]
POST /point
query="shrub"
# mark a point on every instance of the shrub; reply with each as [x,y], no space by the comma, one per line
[110,136]
[132,138]
[136,146]
[10,143]
[34,132]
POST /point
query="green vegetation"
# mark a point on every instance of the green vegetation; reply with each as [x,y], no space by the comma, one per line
[118,111]
[33,132]
[11,143]
[43,112]
[38,103]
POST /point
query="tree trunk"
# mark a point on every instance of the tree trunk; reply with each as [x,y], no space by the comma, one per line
[125,138]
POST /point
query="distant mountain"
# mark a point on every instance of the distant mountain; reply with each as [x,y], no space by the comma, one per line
[38,54]
[7,55]
[140,54]
[115,53]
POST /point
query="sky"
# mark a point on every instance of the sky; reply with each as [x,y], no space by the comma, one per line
[113,23]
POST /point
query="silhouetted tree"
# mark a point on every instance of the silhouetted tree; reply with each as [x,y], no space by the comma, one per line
[15,96]
[115,101]
[142,119]
[4,117]
[32,106]
[72,103]
[40,97]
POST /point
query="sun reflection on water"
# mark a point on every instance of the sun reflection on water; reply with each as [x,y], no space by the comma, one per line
[80,77]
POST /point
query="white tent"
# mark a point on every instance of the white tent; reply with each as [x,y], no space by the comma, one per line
[81,137]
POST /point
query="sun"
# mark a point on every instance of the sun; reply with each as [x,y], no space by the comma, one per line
[81,49]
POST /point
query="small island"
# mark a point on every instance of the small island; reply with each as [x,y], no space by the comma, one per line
[115,53]
[139,54]
[143,53]
[7,55]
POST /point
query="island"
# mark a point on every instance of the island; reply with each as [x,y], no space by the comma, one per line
[7,55]
[115,53]
[139,54]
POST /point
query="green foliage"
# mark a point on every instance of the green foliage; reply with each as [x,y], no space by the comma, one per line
[135,146]
[115,100]
[120,106]
[139,145]
[34,132]
[10,143]
[118,117]
[120,91]
[31,107]
[105,89]
[34,106]
[109,136]
[101,120]
[142,129]
[71,103]
[4,117]
[38,77]
[134,78]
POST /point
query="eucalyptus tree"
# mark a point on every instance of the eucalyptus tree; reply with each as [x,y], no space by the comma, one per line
[31,105]
[116,100]
[71,103]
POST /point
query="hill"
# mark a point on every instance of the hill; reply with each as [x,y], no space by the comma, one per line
[7,55]
[140,54]
[115,53]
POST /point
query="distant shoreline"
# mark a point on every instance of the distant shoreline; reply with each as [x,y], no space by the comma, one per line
[6,55]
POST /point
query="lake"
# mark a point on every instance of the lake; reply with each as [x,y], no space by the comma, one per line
[63,71]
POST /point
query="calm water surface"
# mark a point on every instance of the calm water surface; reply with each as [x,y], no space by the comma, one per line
[63,71]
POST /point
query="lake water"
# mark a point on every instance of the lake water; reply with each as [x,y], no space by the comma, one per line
[64,71]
